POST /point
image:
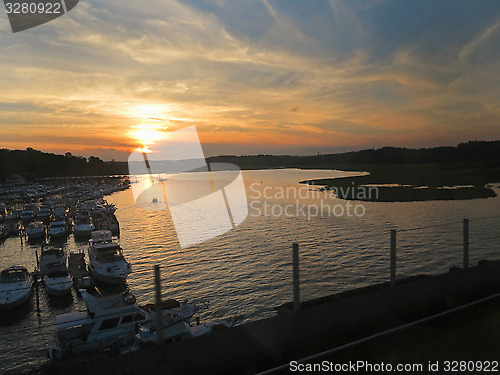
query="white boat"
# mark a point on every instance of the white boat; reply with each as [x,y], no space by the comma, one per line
[35,230]
[106,261]
[106,320]
[57,229]
[27,215]
[15,287]
[11,228]
[51,254]
[182,329]
[59,213]
[57,280]
[113,319]
[83,226]
[44,213]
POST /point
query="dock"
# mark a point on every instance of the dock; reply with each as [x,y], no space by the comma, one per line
[344,320]
[77,268]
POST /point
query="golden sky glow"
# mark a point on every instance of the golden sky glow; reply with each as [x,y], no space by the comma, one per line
[254,77]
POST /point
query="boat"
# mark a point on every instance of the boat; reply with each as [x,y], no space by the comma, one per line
[44,213]
[182,329]
[27,215]
[11,228]
[57,229]
[106,261]
[57,280]
[105,321]
[50,254]
[83,226]
[59,213]
[15,287]
[109,320]
[35,230]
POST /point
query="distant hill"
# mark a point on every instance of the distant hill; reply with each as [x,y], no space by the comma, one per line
[32,163]
[470,154]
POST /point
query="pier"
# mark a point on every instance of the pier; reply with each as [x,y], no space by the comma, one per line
[331,325]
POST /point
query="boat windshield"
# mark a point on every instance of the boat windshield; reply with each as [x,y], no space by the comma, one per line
[12,276]
[109,254]
[57,273]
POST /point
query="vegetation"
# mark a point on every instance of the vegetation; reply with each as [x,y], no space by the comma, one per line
[32,164]
[418,174]
[424,172]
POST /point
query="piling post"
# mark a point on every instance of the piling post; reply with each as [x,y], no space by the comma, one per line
[37,295]
[466,242]
[296,280]
[393,258]
[158,310]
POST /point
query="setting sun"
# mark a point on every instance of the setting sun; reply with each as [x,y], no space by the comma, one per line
[146,135]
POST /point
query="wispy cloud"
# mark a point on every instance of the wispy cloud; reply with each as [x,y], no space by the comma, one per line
[266,75]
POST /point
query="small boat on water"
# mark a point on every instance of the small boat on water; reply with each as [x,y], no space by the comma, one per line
[57,229]
[27,215]
[44,213]
[50,254]
[3,232]
[83,226]
[35,231]
[15,287]
[106,261]
[11,228]
[57,280]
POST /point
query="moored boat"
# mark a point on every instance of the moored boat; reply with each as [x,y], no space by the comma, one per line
[35,230]
[106,320]
[83,226]
[51,254]
[57,229]
[57,280]
[112,319]
[106,261]
[11,228]
[15,287]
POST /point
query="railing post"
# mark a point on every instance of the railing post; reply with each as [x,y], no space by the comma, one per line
[158,310]
[466,243]
[296,280]
[393,258]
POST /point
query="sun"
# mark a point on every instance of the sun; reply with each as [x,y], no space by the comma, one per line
[147,135]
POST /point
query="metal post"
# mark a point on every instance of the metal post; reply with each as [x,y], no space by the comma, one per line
[466,243]
[393,258]
[158,310]
[296,280]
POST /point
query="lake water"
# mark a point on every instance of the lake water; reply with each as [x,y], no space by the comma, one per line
[246,272]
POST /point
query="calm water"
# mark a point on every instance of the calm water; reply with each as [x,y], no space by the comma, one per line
[247,272]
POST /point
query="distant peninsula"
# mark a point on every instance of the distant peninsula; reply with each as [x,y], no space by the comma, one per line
[465,171]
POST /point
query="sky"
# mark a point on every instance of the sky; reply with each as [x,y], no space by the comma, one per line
[274,77]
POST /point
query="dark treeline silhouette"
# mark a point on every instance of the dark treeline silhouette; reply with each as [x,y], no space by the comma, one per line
[475,154]
[32,164]
[470,154]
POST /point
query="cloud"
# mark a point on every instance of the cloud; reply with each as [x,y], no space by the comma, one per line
[240,71]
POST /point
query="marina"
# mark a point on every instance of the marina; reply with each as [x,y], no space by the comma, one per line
[244,297]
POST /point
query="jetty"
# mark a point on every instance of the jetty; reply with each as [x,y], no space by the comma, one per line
[337,325]
[77,267]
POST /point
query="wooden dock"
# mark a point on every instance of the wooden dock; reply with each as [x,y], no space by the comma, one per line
[77,268]
[319,325]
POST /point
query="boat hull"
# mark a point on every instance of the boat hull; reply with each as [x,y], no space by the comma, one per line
[58,291]
[14,304]
[107,279]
